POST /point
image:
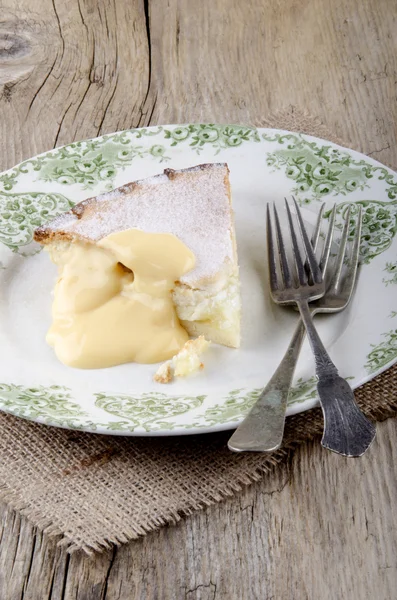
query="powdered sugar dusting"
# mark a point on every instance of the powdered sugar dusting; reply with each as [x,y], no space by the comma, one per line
[191,203]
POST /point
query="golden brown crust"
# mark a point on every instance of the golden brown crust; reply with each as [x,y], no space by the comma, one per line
[43,235]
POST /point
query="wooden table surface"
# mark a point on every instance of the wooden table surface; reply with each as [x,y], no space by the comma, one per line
[323,527]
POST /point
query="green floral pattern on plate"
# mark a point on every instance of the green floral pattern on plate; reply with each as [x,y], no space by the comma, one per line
[391,270]
[383,353]
[20,214]
[89,163]
[54,405]
[320,171]
[239,402]
[379,225]
[51,404]
[96,162]
[148,410]
[219,137]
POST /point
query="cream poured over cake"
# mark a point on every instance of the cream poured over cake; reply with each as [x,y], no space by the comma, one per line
[193,208]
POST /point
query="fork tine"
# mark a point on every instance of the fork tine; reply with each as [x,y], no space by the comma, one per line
[270,251]
[283,255]
[315,237]
[328,242]
[342,250]
[295,246]
[314,268]
[350,278]
[316,232]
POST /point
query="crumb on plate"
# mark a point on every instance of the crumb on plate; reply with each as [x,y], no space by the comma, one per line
[186,362]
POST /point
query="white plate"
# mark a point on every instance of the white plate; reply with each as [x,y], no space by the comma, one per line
[265,165]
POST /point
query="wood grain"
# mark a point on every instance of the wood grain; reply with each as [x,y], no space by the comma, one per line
[69,70]
[232,61]
[322,527]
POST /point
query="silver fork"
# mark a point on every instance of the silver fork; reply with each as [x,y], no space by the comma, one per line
[263,427]
[346,429]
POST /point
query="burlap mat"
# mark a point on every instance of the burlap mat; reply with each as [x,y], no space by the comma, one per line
[96,490]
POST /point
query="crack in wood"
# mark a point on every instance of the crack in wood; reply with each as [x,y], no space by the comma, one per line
[43,83]
[81,15]
[65,577]
[52,582]
[152,111]
[32,555]
[16,521]
[106,583]
[202,585]
[387,147]
[141,121]
[60,125]
[107,105]
[59,27]
[146,7]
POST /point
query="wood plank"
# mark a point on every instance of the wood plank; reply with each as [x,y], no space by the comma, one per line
[69,70]
[322,527]
[231,61]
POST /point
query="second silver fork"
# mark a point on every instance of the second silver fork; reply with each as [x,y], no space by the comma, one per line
[346,430]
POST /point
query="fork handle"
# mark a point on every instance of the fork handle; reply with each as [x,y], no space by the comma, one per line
[347,430]
[262,429]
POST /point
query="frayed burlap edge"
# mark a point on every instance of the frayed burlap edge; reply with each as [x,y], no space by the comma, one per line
[94,491]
